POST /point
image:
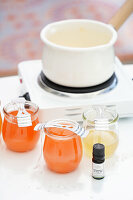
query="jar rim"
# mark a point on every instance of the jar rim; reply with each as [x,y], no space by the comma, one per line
[61,137]
[107,109]
[26,103]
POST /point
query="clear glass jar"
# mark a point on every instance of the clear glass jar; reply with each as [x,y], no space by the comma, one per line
[62,148]
[101,124]
[20,137]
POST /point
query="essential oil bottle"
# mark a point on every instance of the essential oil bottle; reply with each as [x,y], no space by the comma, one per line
[98,158]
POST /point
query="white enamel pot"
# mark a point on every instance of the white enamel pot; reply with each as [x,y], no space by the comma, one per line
[80,52]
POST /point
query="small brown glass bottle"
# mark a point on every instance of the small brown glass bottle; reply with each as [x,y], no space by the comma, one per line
[98,161]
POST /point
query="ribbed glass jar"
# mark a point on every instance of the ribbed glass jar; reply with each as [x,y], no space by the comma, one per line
[62,148]
[101,124]
[18,138]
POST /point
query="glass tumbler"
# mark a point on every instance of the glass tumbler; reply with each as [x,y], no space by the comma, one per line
[101,124]
[20,118]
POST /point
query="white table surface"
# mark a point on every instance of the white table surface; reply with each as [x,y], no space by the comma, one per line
[19,179]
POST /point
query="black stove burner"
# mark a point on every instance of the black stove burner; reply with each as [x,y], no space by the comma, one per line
[46,82]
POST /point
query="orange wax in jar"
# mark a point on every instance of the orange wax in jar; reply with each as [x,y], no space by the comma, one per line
[0,118]
[0,122]
[19,139]
[62,149]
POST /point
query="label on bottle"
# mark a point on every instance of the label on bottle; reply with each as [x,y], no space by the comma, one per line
[24,119]
[98,170]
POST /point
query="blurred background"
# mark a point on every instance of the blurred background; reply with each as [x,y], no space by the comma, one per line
[22,20]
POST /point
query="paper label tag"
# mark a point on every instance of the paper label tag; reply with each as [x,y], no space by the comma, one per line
[98,170]
[24,119]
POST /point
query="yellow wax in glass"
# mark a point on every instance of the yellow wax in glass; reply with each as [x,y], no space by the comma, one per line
[108,138]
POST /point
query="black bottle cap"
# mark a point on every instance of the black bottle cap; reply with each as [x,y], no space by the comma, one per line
[98,150]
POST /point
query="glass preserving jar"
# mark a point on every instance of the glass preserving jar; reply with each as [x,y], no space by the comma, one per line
[20,118]
[0,118]
[101,124]
[62,148]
